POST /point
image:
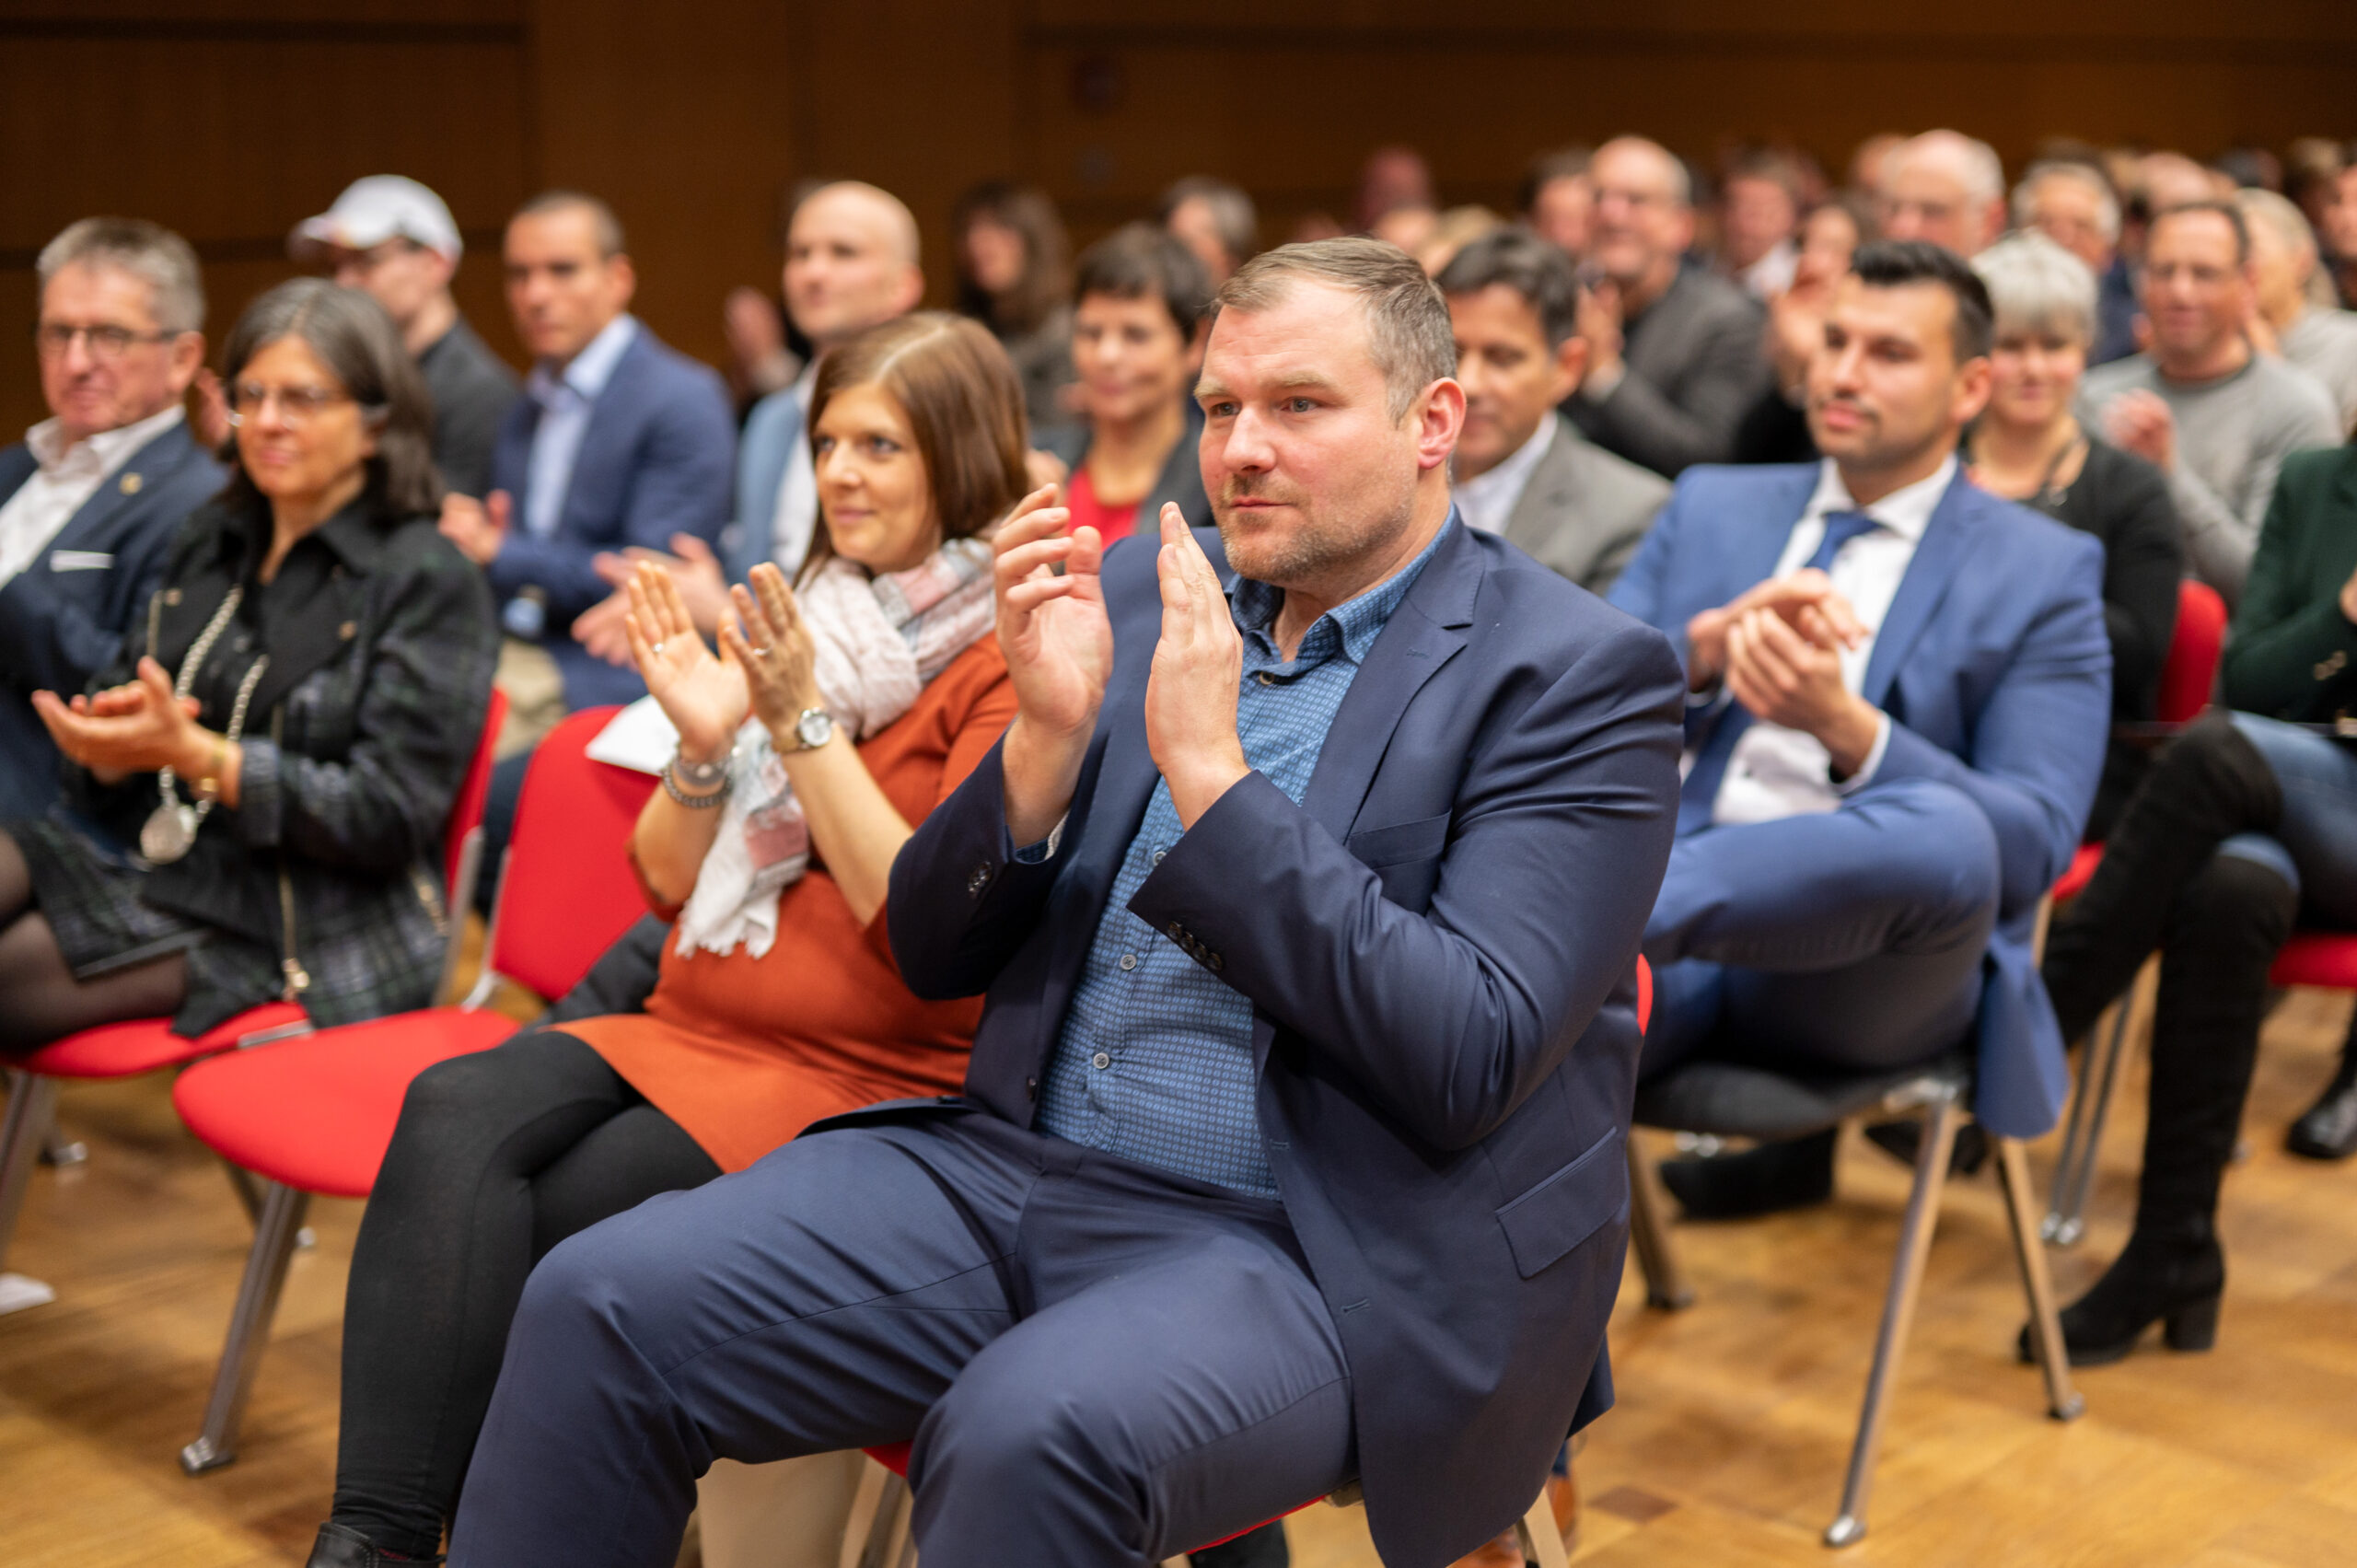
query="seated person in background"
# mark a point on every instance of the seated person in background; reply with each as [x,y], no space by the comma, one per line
[1523,469]
[1292,1145]
[283,736]
[2073,204]
[871,694]
[1012,276]
[1556,200]
[1673,351]
[2297,316]
[1775,428]
[619,440]
[2029,447]
[1137,342]
[393,240]
[1901,696]
[2213,415]
[2246,825]
[1946,188]
[90,499]
[1759,220]
[1214,219]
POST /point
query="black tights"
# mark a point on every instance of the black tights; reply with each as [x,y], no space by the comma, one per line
[498,1157]
[40,999]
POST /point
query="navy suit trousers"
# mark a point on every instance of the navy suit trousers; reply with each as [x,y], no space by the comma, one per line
[1835,941]
[1100,1363]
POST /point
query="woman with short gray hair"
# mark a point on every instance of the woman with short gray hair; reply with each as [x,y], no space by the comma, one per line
[2029,447]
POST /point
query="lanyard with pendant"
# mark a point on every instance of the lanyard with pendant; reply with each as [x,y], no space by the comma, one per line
[170,829]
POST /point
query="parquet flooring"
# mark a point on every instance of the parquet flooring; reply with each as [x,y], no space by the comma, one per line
[1726,1448]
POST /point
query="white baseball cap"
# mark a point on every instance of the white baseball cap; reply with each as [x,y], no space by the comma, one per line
[373,210]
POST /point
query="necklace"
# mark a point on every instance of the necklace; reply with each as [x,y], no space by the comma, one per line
[170,829]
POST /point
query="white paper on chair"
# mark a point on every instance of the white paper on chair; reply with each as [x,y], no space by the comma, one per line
[639,738]
[17,1292]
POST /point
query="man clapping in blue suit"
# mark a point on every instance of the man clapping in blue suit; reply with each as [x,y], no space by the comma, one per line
[1307,901]
[1898,701]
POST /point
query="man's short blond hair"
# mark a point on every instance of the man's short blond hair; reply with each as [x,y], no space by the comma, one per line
[1408,330]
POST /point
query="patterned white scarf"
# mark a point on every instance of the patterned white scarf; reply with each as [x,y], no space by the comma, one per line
[879,642]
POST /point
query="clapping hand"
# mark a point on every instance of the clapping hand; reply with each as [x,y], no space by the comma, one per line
[705,698]
[1805,600]
[477,527]
[1602,323]
[775,650]
[1059,650]
[1788,672]
[1198,666]
[702,588]
[138,727]
[2138,421]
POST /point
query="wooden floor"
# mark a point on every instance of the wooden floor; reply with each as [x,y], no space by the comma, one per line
[1725,1450]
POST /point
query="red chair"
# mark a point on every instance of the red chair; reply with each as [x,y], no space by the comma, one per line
[2187,678]
[148,1045]
[1541,1541]
[315,1115]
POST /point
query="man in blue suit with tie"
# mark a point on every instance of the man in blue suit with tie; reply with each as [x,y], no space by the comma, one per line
[1898,691]
[1307,900]
[91,499]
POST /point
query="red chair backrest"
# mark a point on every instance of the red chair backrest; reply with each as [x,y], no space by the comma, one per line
[567,893]
[1644,993]
[466,811]
[2191,673]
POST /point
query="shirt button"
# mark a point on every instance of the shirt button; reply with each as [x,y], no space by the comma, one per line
[1129,960]
[1267,680]
[1157,856]
[1100,1060]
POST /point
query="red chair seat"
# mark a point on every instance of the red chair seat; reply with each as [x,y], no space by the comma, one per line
[317,1113]
[2083,870]
[143,1045]
[2326,959]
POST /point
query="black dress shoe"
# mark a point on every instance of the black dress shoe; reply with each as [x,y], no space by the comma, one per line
[1763,1180]
[2175,1281]
[2329,1130]
[339,1547]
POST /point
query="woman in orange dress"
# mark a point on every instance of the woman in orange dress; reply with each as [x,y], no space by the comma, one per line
[831,721]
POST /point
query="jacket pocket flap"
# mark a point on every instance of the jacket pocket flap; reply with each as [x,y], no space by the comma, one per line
[80,560]
[1568,1207]
[1419,839]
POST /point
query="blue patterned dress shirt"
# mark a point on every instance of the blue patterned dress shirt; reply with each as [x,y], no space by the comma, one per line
[1155,1061]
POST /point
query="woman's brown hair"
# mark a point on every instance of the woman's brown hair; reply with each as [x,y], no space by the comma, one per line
[1046,278]
[963,405]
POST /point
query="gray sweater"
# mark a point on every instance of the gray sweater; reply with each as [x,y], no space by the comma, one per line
[2232,435]
[2324,343]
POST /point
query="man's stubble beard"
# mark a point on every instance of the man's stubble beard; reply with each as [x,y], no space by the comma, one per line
[1311,552]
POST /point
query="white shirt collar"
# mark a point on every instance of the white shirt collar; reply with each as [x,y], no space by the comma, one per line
[586,375]
[1906,512]
[108,449]
[1489,499]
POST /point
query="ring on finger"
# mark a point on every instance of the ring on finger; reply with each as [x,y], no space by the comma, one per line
[655,647]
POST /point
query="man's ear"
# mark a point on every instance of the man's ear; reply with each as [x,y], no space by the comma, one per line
[625,278]
[1437,419]
[1571,368]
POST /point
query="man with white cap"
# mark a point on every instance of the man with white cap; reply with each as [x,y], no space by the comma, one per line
[393,240]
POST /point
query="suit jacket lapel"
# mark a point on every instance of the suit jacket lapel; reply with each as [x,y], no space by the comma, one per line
[1946,539]
[152,464]
[1550,491]
[598,445]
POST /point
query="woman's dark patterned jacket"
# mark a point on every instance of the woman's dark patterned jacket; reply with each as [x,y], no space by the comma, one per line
[382,643]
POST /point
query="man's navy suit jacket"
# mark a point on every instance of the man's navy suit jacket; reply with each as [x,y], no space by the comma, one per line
[1439,944]
[655,461]
[62,618]
[1994,666]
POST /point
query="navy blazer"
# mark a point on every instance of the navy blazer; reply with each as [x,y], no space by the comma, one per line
[1994,665]
[655,461]
[1439,944]
[62,618]
[764,450]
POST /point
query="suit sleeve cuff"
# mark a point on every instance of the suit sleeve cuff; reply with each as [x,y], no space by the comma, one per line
[1872,766]
[261,796]
[1041,852]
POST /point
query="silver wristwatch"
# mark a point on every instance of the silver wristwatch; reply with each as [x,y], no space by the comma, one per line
[700,776]
[813,729]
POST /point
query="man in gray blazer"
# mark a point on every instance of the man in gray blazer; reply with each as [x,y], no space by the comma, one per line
[1674,354]
[1523,469]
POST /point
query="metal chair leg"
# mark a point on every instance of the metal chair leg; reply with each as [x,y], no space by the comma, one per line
[891,1517]
[2074,1172]
[258,1293]
[1898,1317]
[1666,1286]
[2062,1401]
[32,1105]
[1542,1543]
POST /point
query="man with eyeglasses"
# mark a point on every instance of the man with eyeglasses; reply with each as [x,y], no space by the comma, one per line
[394,240]
[91,498]
[2199,405]
[1674,354]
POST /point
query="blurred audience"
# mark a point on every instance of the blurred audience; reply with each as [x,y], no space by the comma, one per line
[2296,315]
[1945,187]
[2073,204]
[1454,230]
[1012,273]
[1775,428]
[394,240]
[2028,445]
[90,499]
[289,732]
[1523,469]
[1672,352]
[1138,301]
[619,440]
[1557,198]
[1870,167]
[1760,216]
[1214,219]
[1393,178]
[2201,405]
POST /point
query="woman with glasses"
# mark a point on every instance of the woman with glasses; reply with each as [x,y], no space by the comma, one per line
[281,735]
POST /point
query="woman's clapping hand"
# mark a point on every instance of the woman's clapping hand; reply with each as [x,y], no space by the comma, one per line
[706,699]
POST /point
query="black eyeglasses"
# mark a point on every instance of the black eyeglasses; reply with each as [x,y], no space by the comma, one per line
[55,339]
[297,406]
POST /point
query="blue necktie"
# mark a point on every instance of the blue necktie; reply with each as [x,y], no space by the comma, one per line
[1701,791]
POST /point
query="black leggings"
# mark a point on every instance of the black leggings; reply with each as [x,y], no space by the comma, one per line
[40,999]
[498,1157]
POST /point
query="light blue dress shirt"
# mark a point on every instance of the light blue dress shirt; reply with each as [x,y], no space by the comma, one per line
[1155,1060]
[567,400]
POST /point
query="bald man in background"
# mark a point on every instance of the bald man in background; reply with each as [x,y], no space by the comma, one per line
[1674,358]
[1945,187]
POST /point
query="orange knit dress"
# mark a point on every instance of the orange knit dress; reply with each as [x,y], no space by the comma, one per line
[746,1053]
